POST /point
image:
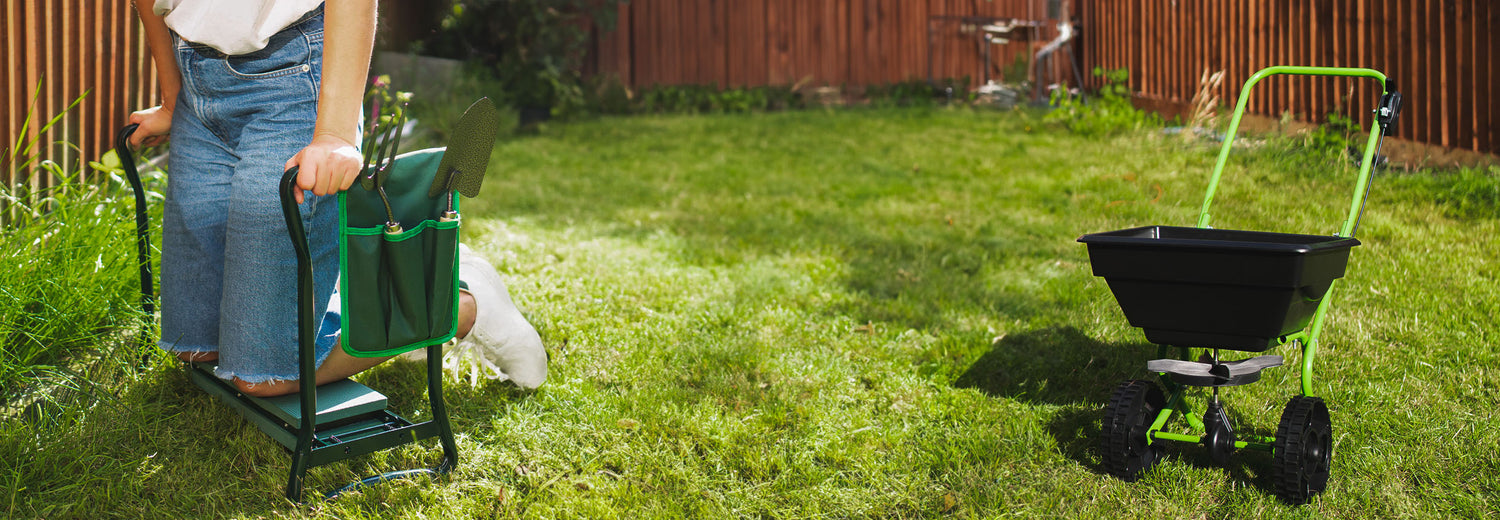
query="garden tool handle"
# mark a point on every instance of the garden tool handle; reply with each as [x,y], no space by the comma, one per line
[142,220]
[306,361]
[1361,185]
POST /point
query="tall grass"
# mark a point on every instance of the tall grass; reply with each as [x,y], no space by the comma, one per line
[68,287]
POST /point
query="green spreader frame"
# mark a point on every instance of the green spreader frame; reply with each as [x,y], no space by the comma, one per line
[409,278]
[1306,338]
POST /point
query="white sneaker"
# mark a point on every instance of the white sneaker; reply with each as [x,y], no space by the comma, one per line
[502,344]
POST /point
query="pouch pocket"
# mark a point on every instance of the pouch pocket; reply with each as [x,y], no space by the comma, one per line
[399,291]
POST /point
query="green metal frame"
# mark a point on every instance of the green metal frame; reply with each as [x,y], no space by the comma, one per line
[1307,338]
[311,450]
[309,443]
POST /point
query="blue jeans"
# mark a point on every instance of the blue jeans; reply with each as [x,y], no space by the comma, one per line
[228,269]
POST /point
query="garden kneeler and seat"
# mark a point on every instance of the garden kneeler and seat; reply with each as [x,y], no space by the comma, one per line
[398,288]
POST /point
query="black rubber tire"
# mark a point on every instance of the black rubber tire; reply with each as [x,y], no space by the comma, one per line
[1122,443]
[1303,452]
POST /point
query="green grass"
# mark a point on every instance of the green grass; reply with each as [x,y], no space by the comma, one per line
[863,313]
[65,290]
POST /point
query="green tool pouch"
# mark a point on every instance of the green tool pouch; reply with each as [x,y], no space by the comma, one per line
[398,289]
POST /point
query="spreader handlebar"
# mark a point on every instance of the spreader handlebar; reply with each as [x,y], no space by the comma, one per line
[1387,117]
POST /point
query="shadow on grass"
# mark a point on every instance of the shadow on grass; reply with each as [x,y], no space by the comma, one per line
[1056,366]
[184,453]
[1062,366]
[1059,366]
[404,383]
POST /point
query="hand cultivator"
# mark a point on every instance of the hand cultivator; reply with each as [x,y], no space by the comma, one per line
[1226,290]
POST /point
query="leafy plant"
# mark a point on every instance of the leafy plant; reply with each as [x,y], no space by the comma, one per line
[383,103]
[917,92]
[607,94]
[1332,138]
[534,47]
[1108,112]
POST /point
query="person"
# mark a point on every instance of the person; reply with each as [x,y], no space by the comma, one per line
[251,88]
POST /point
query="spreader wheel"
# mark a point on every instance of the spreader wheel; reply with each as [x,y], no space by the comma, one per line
[1303,450]
[1123,444]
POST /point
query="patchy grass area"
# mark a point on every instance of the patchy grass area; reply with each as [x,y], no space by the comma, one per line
[862,313]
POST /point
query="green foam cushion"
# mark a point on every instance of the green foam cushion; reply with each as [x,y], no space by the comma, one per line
[337,400]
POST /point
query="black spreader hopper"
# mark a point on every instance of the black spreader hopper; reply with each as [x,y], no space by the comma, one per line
[1217,288]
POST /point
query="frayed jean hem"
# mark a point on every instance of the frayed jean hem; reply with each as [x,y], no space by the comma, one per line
[174,348]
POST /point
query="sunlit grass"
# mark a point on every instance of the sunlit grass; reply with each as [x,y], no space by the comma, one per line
[861,313]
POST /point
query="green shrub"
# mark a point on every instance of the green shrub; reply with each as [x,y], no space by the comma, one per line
[533,47]
[1108,112]
[1334,137]
[917,92]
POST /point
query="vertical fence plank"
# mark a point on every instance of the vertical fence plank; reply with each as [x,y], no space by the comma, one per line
[88,67]
[835,41]
[1291,53]
[1174,52]
[11,111]
[1482,83]
[776,43]
[874,20]
[804,49]
[1448,56]
[1271,95]
[721,23]
[47,46]
[1361,54]
[890,56]
[1417,76]
[39,44]
[1234,52]
[659,11]
[1347,53]
[685,28]
[1257,54]
[1439,51]
[859,49]
[636,45]
[1492,73]
[673,72]
[1452,74]
[746,46]
[1319,39]
[696,60]
[115,36]
[1155,73]
[1431,42]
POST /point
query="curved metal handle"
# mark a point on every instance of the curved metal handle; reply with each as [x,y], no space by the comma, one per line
[306,361]
[1361,185]
[142,220]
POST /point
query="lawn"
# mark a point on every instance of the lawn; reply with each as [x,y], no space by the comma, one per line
[856,313]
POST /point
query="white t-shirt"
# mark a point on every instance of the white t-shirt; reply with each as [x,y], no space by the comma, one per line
[232,26]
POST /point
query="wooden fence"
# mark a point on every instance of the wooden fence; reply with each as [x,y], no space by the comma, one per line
[1443,54]
[733,43]
[56,51]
